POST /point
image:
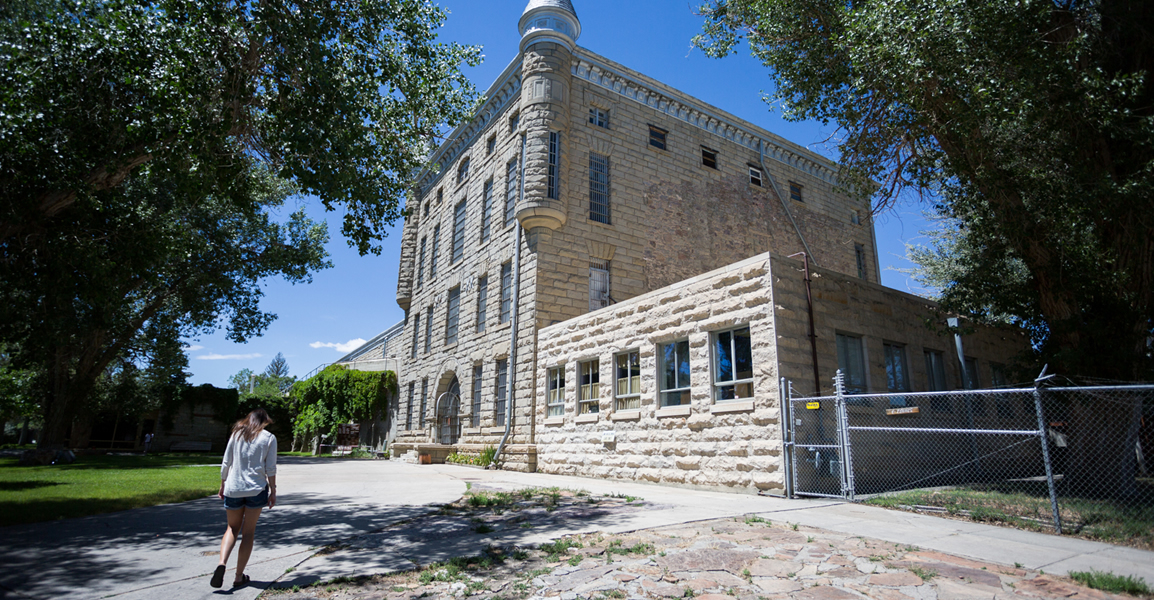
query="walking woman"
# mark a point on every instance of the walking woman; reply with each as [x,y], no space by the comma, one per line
[247,485]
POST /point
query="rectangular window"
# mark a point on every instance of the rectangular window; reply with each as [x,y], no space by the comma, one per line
[453,316]
[859,256]
[978,402]
[425,211]
[482,302]
[851,363]
[486,210]
[514,122]
[554,173]
[428,329]
[589,392]
[795,192]
[628,389]
[598,285]
[657,137]
[555,398]
[599,117]
[936,381]
[433,254]
[599,188]
[1003,402]
[478,384]
[416,334]
[897,373]
[440,195]
[732,365]
[674,370]
[755,176]
[491,145]
[502,385]
[463,171]
[510,191]
[409,409]
[506,292]
[458,233]
[424,403]
[421,263]
[708,157]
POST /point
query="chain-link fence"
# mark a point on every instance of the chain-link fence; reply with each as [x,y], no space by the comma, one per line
[1073,459]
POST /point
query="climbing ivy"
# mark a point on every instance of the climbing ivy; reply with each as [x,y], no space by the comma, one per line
[338,395]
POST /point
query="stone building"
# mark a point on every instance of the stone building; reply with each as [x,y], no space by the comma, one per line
[580,189]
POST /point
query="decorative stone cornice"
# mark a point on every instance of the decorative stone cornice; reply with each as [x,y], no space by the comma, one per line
[503,92]
[597,70]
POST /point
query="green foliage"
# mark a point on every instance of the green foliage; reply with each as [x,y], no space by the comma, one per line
[483,459]
[1109,582]
[338,395]
[1031,126]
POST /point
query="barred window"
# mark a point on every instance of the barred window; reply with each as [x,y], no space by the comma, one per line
[851,363]
[453,316]
[674,373]
[897,374]
[502,389]
[657,137]
[628,389]
[428,329]
[555,398]
[936,381]
[416,334]
[598,285]
[708,157]
[732,365]
[424,403]
[433,256]
[482,302]
[599,188]
[463,171]
[511,175]
[409,408]
[589,390]
[506,291]
[514,122]
[478,383]
[421,263]
[487,210]
[978,402]
[599,117]
[458,232]
[860,257]
[491,144]
[553,181]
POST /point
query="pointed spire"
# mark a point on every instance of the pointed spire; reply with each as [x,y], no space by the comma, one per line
[549,20]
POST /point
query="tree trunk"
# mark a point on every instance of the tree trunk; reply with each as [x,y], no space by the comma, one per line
[1103,432]
[23,433]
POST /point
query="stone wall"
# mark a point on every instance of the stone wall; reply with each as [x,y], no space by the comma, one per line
[192,424]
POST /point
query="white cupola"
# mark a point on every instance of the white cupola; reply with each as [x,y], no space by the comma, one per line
[549,21]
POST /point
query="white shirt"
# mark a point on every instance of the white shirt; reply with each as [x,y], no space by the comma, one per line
[248,465]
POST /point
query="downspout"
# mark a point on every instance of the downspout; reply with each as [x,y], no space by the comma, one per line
[509,404]
[812,330]
[776,190]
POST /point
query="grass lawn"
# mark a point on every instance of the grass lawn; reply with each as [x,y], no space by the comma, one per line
[100,484]
[1028,507]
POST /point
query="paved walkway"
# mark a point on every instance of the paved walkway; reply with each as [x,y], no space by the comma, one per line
[169,551]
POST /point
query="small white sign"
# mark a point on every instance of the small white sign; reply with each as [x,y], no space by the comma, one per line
[608,437]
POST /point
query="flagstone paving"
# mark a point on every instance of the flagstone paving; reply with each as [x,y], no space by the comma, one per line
[746,558]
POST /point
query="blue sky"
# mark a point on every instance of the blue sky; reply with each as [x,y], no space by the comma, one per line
[318,323]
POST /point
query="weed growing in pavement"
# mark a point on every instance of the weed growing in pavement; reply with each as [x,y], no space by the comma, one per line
[809,539]
[557,547]
[519,554]
[925,574]
[752,519]
[1109,582]
[484,528]
[615,547]
[747,575]
[576,560]
[1017,565]
[614,594]
[793,526]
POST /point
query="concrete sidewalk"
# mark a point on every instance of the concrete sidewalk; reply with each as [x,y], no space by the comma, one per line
[169,551]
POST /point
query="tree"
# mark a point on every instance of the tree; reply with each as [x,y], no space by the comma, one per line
[340,97]
[122,280]
[338,395]
[278,373]
[1031,124]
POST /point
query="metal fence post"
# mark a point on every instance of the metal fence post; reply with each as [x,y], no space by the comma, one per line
[787,437]
[1046,453]
[847,484]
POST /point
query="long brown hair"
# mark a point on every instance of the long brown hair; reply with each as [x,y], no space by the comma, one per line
[249,427]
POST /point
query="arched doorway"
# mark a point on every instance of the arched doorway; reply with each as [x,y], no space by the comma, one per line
[449,414]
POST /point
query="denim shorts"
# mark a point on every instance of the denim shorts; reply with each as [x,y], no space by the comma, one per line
[258,501]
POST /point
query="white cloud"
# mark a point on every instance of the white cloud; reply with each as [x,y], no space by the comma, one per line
[227,356]
[344,348]
[194,348]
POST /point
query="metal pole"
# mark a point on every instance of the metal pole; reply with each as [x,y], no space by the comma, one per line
[955,323]
[842,435]
[812,330]
[786,437]
[1046,450]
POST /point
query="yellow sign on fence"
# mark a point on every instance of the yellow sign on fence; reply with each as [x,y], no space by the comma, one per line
[813,405]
